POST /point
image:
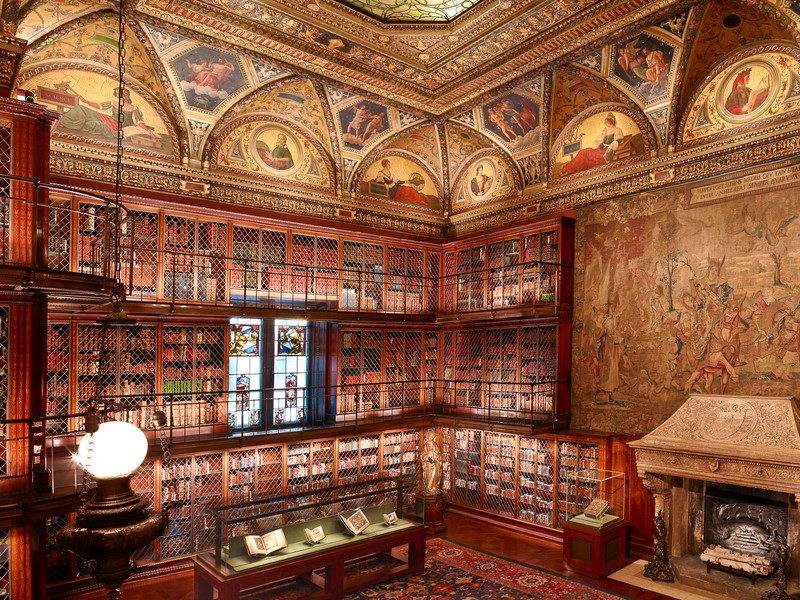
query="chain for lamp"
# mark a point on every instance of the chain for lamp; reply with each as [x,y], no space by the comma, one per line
[87,478]
[122,22]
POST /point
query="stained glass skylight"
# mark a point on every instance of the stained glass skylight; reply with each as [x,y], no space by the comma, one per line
[413,11]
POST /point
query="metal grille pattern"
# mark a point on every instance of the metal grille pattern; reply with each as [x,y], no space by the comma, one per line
[245,271]
[137,368]
[298,475]
[413,359]
[58,233]
[571,457]
[179,245]
[500,451]
[448,368]
[326,273]
[212,266]
[349,371]
[176,500]
[5,189]
[400,452]
[394,368]
[538,367]
[450,282]
[432,283]
[92,228]
[58,353]
[536,483]
[322,464]
[273,261]
[208,491]
[358,458]
[241,476]
[269,472]
[468,471]
[143,484]
[372,374]
[139,254]
[431,365]
[58,558]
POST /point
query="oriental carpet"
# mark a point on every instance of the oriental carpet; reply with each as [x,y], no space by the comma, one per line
[454,570]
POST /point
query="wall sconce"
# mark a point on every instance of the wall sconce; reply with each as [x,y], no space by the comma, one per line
[115,522]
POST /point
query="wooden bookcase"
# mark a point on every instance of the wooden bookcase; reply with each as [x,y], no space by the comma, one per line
[194,265]
[521,268]
[59,350]
[139,256]
[363,276]
[358,458]
[518,477]
[259,262]
[314,266]
[193,369]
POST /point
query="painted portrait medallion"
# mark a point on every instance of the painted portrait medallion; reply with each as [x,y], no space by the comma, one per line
[482,179]
[277,150]
[748,91]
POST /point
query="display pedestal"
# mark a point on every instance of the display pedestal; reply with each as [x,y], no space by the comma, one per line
[431,510]
[596,548]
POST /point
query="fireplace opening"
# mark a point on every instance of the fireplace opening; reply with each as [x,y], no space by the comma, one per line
[745,520]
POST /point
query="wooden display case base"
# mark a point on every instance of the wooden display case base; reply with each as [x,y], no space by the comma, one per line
[432,509]
[595,551]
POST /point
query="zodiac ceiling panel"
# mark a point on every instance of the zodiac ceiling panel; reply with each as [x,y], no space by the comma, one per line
[644,66]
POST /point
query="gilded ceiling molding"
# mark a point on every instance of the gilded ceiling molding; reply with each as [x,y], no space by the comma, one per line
[464,84]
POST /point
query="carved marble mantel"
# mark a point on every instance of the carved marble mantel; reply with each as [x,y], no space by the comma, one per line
[742,440]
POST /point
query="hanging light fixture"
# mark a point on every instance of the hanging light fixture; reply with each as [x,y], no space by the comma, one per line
[114,523]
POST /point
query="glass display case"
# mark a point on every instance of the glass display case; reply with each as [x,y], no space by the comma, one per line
[595,497]
[595,527]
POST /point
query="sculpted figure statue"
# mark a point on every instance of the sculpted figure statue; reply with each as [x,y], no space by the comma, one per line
[431,465]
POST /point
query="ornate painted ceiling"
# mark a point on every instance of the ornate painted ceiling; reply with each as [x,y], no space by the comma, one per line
[434,115]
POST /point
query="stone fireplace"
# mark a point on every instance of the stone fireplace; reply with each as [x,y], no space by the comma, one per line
[725,472]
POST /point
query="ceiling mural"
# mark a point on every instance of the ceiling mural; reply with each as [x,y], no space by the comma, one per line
[423,142]
[411,118]
[485,178]
[400,179]
[93,40]
[88,105]
[272,149]
[603,136]
[760,85]
[46,16]
[644,65]
[461,145]
[719,27]
[292,99]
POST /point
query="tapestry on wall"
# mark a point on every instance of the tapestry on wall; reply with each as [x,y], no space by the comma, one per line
[695,290]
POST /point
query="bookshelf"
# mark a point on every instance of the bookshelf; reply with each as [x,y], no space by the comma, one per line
[536,480]
[523,268]
[193,369]
[139,254]
[404,278]
[363,276]
[309,466]
[59,350]
[519,477]
[467,467]
[360,370]
[194,263]
[117,360]
[314,265]
[259,261]
[358,458]
[176,501]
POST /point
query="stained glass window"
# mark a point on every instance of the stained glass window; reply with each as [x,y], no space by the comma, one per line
[244,374]
[292,340]
[412,11]
[291,373]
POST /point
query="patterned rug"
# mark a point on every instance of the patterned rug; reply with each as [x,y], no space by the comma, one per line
[454,570]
